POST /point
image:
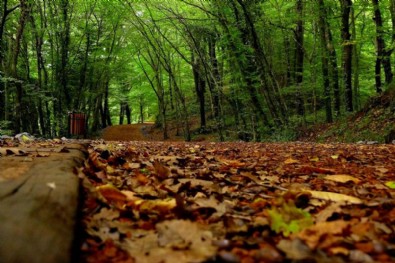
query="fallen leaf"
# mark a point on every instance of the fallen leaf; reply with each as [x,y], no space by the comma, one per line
[294,249]
[162,171]
[174,241]
[335,197]
[390,184]
[333,231]
[342,178]
[291,161]
[111,193]
[289,219]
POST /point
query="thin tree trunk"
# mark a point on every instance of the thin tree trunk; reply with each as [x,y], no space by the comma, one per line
[200,88]
[382,55]
[324,60]
[355,50]
[347,53]
[299,55]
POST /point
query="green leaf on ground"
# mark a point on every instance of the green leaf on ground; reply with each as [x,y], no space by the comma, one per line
[289,219]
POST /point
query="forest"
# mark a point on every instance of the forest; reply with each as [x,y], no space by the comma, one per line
[242,68]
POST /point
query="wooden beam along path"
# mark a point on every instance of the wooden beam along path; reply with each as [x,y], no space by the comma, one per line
[38,206]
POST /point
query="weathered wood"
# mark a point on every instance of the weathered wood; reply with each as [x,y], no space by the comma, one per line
[38,210]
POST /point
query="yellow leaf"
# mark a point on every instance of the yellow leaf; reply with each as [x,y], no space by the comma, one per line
[315,159]
[335,197]
[342,178]
[335,157]
[291,161]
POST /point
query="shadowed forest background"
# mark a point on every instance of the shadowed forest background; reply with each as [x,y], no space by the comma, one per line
[249,70]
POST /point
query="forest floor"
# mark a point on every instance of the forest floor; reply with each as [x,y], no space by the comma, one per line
[146,200]
[238,202]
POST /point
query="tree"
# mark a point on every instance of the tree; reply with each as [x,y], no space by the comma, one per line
[382,54]
[324,34]
[299,56]
[347,52]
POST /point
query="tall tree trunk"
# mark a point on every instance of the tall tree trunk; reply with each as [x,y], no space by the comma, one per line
[270,86]
[299,55]
[355,50]
[215,76]
[14,61]
[65,38]
[39,41]
[324,60]
[382,55]
[4,14]
[200,88]
[392,11]
[347,53]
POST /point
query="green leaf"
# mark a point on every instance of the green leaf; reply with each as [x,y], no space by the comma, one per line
[390,184]
[289,219]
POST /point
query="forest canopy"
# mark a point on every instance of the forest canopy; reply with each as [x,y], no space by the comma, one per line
[251,68]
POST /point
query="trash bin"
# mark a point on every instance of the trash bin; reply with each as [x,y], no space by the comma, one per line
[76,123]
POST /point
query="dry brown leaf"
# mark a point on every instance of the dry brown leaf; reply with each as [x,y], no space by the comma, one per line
[162,171]
[342,178]
[333,231]
[174,241]
[111,193]
[335,197]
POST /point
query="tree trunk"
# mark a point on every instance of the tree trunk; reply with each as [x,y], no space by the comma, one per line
[215,78]
[299,55]
[382,55]
[333,65]
[14,61]
[324,60]
[347,53]
[65,38]
[121,112]
[39,41]
[269,86]
[357,103]
[200,88]
[141,108]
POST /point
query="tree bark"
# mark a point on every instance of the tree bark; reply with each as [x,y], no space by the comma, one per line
[270,87]
[382,55]
[347,53]
[200,88]
[324,60]
[14,62]
[299,55]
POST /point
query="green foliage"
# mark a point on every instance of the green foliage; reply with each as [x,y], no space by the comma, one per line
[4,128]
[94,56]
[288,219]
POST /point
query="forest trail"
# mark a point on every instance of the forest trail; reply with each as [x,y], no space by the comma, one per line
[128,132]
[142,201]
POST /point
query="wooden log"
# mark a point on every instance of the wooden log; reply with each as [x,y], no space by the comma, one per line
[38,210]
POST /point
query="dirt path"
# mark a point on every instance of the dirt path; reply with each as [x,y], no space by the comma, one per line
[131,132]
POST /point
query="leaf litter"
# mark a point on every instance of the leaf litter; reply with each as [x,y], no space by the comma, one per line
[238,202]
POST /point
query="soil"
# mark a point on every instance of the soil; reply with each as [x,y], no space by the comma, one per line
[131,132]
